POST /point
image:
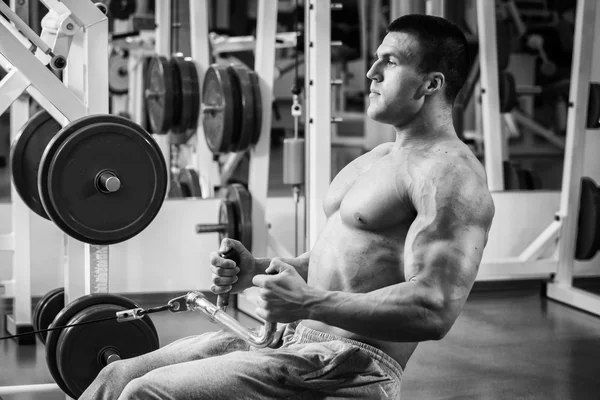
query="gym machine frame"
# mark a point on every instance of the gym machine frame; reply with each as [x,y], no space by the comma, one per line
[82,38]
[18,241]
[560,233]
[561,288]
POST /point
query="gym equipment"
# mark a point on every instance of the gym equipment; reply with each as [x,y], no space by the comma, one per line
[46,310]
[196,301]
[588,225]
[246,94]
[75,355]
[257,107]
[159,94]
[185,184]
[503,42]
[189,182]
[118,73]
[235,216]
[122,9]
[218,109]
[172,94]
[231,108]
[517,177]
[25,155]
[186,75]
[593,115]
[536,43]
[101,179]
[509,92]
[463,98]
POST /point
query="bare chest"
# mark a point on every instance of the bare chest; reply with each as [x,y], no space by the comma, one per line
[369,195]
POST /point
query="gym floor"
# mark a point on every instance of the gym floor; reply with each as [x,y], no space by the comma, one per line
[506,344]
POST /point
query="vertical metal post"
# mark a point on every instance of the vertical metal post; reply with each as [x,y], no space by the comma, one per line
[86,75]
[21,228]
[163,48]
[264,65]
[490,95]
[581,69]
[207,168]
[318,121]
[436,7]
[20,216]
[399,8]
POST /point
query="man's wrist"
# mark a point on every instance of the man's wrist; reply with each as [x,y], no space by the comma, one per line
[316,301]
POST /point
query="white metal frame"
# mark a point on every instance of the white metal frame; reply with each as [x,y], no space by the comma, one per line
[82,36]
[18,241]
[494,148]
[561,289]
[318,120]
[561,233]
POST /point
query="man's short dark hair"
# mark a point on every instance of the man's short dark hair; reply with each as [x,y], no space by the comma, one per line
[443,48]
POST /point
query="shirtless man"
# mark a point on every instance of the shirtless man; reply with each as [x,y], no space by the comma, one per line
[406,227]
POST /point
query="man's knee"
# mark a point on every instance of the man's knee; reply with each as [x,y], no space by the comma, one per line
[111,374]
[142,388]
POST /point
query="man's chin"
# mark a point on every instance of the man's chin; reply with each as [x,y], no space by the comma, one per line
[375,116]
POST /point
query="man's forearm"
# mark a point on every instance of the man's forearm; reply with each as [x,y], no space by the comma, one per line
[300,263]
[398,313]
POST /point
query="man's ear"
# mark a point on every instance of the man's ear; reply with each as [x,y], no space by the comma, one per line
[432,83]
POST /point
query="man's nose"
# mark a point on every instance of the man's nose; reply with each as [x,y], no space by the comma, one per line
[373,73]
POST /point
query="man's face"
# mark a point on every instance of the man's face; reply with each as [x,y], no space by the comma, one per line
[395,80]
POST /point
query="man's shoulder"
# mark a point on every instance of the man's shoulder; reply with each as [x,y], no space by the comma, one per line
[458,180]
[453,164]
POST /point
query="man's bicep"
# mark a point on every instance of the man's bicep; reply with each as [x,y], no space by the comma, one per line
[445,243]
[434,255]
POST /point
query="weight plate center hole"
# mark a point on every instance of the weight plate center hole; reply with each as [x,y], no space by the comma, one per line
[108,182]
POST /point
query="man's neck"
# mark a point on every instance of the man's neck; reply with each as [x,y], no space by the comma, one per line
[425,128]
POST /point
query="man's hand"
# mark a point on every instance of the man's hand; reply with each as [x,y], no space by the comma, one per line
[284,294]
[226,275]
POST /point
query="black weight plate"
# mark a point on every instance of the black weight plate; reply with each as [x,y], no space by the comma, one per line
[218,124]
[195,85]
[237,109]
[159,94]
[49,307]
[257,107]
[41,304]
[228,217]
[25,155]
[118,74]
[68,313]
[184,111]
[246,118]
[189,180]
[79,348]
[71,164]
[177,94]
[241,199]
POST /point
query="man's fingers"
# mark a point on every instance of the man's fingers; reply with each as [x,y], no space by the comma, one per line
[228,271]
[217,261]
[228,244]
[224,281]
[220,289]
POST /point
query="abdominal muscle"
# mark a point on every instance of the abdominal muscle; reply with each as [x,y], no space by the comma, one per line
[352,260]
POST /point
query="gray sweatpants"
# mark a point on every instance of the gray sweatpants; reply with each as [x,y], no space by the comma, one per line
[308,365]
